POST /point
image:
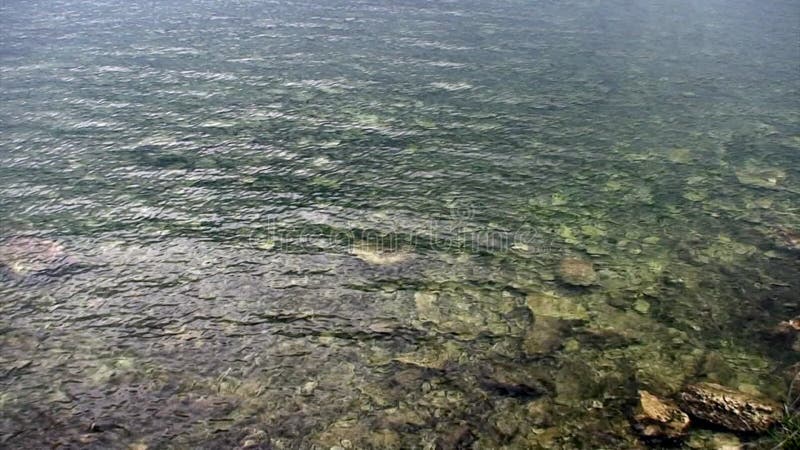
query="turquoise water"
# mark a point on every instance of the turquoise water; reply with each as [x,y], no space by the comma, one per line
[312,224]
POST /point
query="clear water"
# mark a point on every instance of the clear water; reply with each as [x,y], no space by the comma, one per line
[310,224]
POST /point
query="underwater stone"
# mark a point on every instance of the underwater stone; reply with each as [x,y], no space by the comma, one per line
[513,381]
[468,312]
[657,418]
[716,369]
[641,306]
[22,256]
[725,441]
[544,438]
[508,415]
[577,272]
[383,327]
[402,417]
[377,255]
[574,382]
[545,336]
[343,434]
[540,411]
[433,358]
[788,331]
[789,326]
[763,177]
[680,155]
[544,304]
[706,440]
[592,231]
[788,239]
[460,437]
[256,440]
[426,304]
[729,408]
[308,388]
[385,439]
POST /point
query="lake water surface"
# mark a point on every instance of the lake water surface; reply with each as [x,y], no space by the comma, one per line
[390,224]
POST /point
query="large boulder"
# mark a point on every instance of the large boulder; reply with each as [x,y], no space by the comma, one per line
[729,408]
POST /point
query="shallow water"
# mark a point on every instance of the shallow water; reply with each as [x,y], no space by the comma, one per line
[312,224]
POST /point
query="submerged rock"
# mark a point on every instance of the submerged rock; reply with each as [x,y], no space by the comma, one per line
[724,441]
[789,326]
[350,434]
[706,440]
[436,358]
[641,306]
[656,418]
[255,440]
[680,155]
[379,255]
[788,238]
[729,408]
[787,333]
[544,304]
[23,256]
[545,336]
[460,437]
[513,381]
[762,177]
[577,272]
[469,312]
[552,320]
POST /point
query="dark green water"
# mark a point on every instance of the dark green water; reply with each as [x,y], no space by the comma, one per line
[322,224]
